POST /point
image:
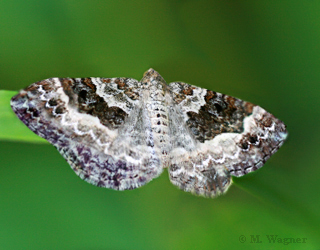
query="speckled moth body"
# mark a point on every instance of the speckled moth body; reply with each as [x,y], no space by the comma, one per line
[120,133]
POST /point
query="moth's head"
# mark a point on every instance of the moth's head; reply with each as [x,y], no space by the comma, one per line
[152,78]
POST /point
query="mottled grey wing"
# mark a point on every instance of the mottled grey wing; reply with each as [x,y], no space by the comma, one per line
[87,120]
[220,136]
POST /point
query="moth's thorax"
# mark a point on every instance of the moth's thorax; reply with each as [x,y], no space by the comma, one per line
[155,96]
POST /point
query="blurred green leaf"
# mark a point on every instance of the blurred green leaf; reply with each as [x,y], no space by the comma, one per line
[11,128]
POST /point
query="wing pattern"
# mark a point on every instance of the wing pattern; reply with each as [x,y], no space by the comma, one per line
[82,118]
[120,133]
[233,137]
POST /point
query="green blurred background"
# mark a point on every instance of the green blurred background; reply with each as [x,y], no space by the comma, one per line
[266,52]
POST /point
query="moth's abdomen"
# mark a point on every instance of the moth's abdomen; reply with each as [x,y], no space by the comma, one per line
[158,113]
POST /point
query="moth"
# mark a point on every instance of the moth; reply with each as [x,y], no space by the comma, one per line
[120,133]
